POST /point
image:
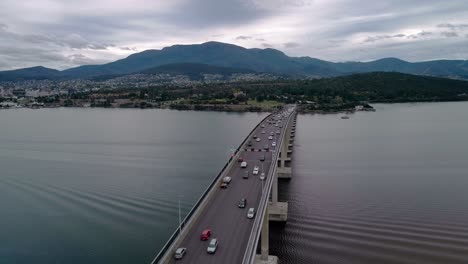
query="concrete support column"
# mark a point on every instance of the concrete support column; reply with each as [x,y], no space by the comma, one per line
[265,236]
[284,149]
[274,191]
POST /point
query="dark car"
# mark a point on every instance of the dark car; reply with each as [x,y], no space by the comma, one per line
[262,158]
[240,159]
[242,203]
[266,147]
[249,143]
[246,175]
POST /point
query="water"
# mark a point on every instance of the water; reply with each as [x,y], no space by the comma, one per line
[383,187]
[102,185]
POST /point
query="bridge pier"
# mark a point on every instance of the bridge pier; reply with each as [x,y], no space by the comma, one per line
[264,257]
[278,211]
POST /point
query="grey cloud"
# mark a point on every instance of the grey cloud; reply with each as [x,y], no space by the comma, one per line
[3,27]
[453,26]
[449,34]
[80,59]
[129,48]
[260,39]
[291,44]
[74,41]
[214,13]
[383,37]
[267,45]
[419,35]
[243,38]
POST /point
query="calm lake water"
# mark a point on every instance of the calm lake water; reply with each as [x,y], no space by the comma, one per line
[383,187]
[102,185]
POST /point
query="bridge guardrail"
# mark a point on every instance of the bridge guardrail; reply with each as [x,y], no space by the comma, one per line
[251,250]
[177,232]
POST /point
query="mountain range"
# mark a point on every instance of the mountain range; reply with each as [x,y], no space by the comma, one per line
[217,57]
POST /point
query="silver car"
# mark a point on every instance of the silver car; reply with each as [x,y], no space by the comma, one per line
[212,246]
[251,213]
[180,253]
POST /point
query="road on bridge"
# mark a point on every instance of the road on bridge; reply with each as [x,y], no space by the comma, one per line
[229,224]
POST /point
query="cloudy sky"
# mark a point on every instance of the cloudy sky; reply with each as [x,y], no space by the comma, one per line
[65,33]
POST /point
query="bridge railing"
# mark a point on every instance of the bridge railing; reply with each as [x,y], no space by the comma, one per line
[251,250]
[184,223]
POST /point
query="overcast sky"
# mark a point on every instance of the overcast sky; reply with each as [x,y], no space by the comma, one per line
[66,33]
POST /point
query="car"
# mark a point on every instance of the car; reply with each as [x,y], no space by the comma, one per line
[249,143]
[212,246]
[272,133]
[270,138]
[251,213]
[262,176]
[242,203]
[263,126]
[244,164]
[257,139]
[180,253]
[223,185]
[263,132]
[276,125]
[240,159]
[280,126]
[246,175]
[266,147]
[205,234]
[255,136]
[262,158]
[273,144]
[227,179]
[255,170]
[278,132]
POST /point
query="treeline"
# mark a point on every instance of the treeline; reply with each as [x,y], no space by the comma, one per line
[336,93]
[369,87]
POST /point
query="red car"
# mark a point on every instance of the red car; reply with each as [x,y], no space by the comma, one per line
[240,159]
[205,234]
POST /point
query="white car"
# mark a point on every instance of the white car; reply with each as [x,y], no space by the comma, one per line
[263,131]
[255,170]
[263,126]
[278,132]
[273,144]
[262,176]
[212,246]
[257,139]
[244,164]
[180,253]
[227,179]
[251,213]
[270,138]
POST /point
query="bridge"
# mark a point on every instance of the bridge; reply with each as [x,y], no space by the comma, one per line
[217,209]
